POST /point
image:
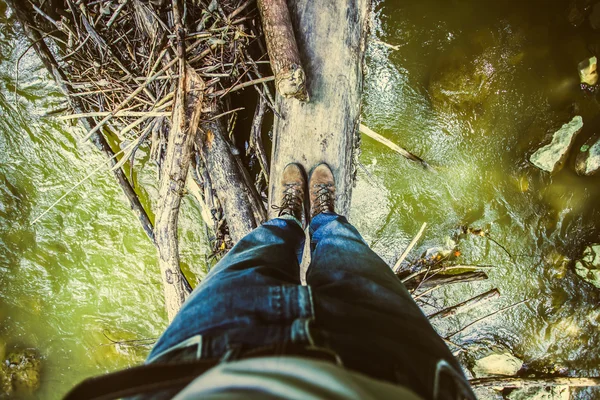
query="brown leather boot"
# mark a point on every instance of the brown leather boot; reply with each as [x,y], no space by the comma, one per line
[321,188]
[290,192]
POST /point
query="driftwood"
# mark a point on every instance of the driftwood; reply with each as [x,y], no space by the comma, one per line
[331,40]
[465,305]
[290,79]
[517,382]
[42,50]
[403,152]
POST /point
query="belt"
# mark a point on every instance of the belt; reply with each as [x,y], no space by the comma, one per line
[155,377]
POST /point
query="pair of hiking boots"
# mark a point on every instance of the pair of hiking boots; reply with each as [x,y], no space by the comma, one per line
[293,187]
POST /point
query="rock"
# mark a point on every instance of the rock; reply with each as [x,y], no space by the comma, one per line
[541,393]
[549,158]
[588,160]
[588,73]
[588,268]
[20,373]
[595,16]
[497,364]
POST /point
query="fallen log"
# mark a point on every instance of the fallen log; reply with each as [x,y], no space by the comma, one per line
[290,79]
[517,382]
[465,305]
[331,39]
[241,204]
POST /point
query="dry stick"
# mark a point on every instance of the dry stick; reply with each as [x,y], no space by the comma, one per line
[116,14]
[486,317]
[186,118]
[465,305]
[517,382]
[404,153]
[118,114]
[256,143]
[443,269]
[290,79]
[242,86]
[409,248]
[443,279]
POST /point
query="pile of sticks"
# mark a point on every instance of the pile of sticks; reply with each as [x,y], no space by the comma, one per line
[159,74]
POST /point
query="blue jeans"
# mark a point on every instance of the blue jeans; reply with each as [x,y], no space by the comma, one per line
[353,304]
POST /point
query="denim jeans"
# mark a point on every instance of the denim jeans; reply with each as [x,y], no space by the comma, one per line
[353,304]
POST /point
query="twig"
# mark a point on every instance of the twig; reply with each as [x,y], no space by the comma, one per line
[409,248]
[519,382]
[465,305]
[404,153]
[146,114]
[243,85]
[486,317]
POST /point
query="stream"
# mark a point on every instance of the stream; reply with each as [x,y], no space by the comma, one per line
[473,87]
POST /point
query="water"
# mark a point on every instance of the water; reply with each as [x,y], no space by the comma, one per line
[473,88]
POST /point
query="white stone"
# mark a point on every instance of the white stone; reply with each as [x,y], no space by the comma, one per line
[497,364]
[587,71]
[592,163]
[588,268]
[548,157]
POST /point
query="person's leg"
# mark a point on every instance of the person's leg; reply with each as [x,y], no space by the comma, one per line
[356,292]
[364,311]
[255,284]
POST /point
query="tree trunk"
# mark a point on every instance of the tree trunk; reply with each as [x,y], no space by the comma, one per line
[241,204]
[290,79]
[186,118]
[331,39]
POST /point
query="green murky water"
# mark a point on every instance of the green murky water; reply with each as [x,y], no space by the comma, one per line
[473,88]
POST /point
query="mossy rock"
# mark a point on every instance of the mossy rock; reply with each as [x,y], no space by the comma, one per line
[20,372]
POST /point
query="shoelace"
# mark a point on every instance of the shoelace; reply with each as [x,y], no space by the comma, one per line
[323,199]
[292,201]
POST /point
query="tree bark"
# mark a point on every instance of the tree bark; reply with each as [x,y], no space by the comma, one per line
[331,39]
[290,79]
[98,139]
[241,204]
[186,118]
[465,305]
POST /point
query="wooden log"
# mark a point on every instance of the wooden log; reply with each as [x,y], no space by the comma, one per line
[331,39]
[290,79]
[241,204]
[518,382]
[441,279]
[42,50]
[185,122]
[465,305]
